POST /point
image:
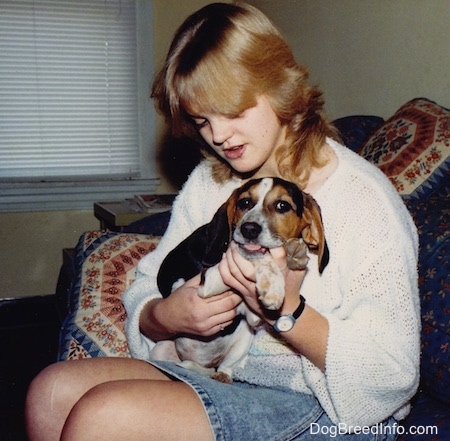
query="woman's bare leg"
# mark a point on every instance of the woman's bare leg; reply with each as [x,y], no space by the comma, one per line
[138,410]
[111,399]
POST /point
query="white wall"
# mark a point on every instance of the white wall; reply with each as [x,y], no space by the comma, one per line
[369,56]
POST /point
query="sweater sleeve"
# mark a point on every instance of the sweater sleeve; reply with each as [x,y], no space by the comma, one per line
[144,287]
[189,212]
[372,360]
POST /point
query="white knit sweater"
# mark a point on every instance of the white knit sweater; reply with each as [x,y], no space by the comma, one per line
[368,292]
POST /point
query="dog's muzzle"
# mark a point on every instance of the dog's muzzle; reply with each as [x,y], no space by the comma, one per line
[250,231]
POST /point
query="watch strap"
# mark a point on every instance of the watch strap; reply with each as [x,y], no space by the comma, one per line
[298,312]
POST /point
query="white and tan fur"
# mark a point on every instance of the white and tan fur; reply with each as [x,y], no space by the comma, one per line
[261,215]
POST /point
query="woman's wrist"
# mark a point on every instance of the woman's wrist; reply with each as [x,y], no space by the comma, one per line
[152,323]
[287,320]
[309,335]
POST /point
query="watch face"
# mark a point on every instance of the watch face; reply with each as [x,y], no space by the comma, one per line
[285,323]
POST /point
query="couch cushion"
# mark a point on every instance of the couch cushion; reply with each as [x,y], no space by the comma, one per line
[413,147]
[432,220]
[356,129]
[428,421]
[105,265]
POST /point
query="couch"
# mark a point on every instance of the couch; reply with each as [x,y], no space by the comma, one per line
[411,147]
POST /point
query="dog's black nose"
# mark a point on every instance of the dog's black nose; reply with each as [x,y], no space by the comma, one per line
[250,230]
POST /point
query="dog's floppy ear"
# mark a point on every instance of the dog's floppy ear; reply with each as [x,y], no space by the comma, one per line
[217,237]
[313,233]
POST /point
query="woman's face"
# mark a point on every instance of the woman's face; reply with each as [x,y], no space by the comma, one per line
[247,141]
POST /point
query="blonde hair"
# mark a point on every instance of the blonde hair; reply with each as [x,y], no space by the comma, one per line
[221,59]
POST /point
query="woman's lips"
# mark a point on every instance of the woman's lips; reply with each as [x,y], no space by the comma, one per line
[234,152]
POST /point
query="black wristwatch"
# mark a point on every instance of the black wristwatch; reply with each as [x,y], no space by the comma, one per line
[285,323]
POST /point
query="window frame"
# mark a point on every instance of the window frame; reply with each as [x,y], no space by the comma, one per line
[32,195]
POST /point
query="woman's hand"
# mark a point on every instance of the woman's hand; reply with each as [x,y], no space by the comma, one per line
[185,312]
[239,273]
[310,333]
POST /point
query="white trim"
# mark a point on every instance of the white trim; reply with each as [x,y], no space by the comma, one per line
[146,69]
[46,196]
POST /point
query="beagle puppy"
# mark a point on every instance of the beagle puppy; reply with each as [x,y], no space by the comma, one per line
[262,214]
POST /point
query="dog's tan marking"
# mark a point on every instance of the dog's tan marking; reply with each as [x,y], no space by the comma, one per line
[286,225]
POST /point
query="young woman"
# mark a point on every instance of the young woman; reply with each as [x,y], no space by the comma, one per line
[350,363]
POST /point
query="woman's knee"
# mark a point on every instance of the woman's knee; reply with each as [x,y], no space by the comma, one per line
[90,410]
[48,402]
[44,384]
[54,391]
[102,409]
[143,409]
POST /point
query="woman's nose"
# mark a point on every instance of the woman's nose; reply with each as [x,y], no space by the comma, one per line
[221,130]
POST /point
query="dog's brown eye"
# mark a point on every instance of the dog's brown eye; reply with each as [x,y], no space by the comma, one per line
[283,206]
[244,203]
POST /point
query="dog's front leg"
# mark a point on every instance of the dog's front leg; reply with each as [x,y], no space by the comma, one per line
[211,283]
[269,282]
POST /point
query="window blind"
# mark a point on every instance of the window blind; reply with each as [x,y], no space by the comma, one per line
[68,90]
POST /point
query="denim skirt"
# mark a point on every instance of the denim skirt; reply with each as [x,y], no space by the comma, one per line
[242,411]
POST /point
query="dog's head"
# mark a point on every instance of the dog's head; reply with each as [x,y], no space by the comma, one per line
[264,214]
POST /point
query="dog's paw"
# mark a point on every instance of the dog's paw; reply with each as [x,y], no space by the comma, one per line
[222,377]
[296,253]
[272,298]
[270,285]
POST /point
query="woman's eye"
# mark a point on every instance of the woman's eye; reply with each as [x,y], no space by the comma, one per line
[283,206]
[200,122]
[232,116]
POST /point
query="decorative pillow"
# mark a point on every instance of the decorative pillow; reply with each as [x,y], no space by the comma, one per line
[412,147]
[105,265]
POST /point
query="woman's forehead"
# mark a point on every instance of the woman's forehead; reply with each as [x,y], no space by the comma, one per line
[220,100]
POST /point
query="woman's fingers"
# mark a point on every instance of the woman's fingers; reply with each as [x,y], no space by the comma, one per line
[279,256]
[203,316]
